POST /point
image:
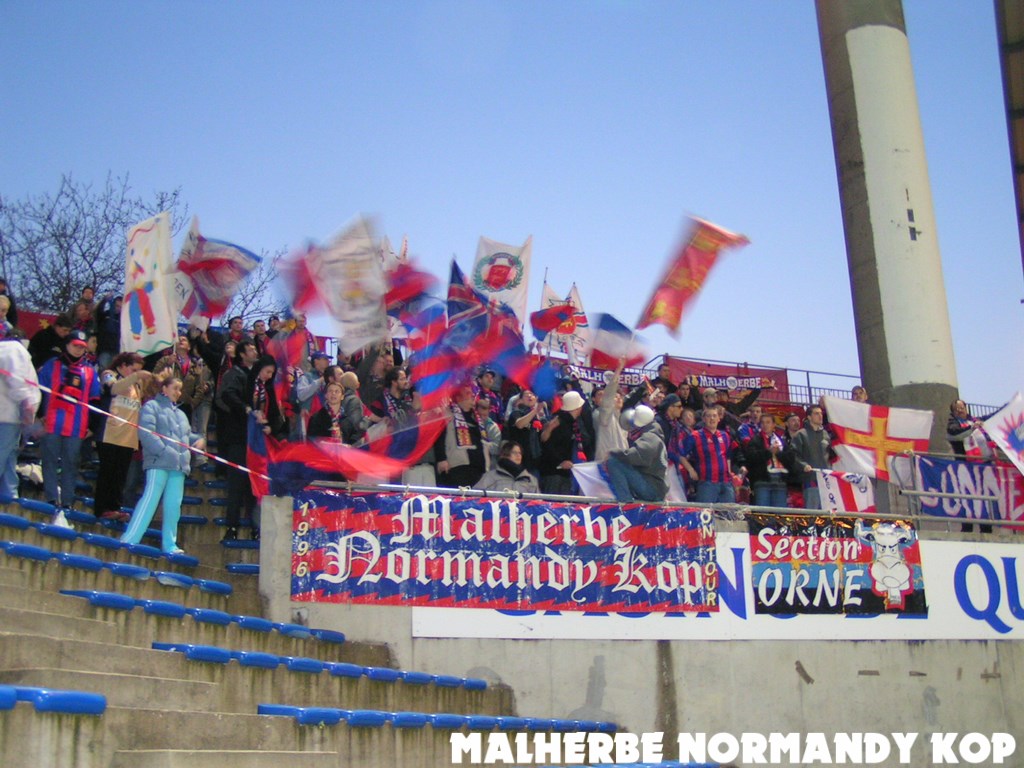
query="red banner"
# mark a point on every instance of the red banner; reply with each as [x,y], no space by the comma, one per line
[737,380]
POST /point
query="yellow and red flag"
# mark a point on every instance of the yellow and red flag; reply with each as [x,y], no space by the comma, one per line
[868,435]
[686,274]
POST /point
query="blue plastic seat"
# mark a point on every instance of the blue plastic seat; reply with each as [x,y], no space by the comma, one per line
[538,724]
[474,684]
[192,520]
[482,722]
[344,669]
[605,727]
[383,674]
[447,721]
[319,716]
[239,544]
[8,697]
[180,558]
[216,484]
[210,616]
[244,569]
[417,678]
[28,551]
[214,587]
[162,608]
[81,562]
[172,579]
[129,571]
[208,653]
[67,702]
[508,723]
[258,659]
[113,600]
[144,550]
[409,719]
[328,636]
[17,522]
[99,540]
[254,623]
[366,718]
[33,505]
[277,710]
[304,664]
[218,501]
[191,501]
[56,531]
[293,630]
[448,681]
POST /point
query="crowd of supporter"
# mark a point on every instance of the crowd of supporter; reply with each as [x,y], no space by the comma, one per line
[651,441]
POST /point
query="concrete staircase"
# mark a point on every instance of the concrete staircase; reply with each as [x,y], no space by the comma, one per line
[166,710]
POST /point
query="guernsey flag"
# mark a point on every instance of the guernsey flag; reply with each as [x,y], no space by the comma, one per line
[867,435]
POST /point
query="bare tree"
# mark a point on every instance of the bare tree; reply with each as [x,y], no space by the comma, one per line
[256,297]
[52,245]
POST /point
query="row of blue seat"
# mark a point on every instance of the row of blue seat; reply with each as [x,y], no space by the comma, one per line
[121,602]
[371,718]
[216,655]
[50,700]
[107,542]
[124,570]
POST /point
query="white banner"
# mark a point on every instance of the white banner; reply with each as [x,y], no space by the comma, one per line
[974,593]
[148,320]
[350,280]
[502,273]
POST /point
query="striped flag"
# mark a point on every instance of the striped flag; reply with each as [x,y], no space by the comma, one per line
[845,492]
[610,341]
[215,270]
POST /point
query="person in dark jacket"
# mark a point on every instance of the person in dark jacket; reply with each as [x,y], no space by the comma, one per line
[234,404]
[49,342]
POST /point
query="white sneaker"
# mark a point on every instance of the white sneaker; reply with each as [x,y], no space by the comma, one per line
[62,522]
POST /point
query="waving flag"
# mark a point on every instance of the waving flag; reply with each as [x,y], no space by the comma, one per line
[549,319]
[572,335]
[297,281]
[215,270]
[844,493]
[149,318]
[350,281]
[867,435]
[501,273]
[1006,429]
[686,274]
[610,341]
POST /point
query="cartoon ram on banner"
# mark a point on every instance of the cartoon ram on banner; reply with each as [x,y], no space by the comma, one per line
[854,566]
[415,550]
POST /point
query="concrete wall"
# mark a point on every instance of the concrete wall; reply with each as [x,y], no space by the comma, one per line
[698,686]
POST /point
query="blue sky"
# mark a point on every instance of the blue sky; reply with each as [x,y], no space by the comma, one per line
[596,127]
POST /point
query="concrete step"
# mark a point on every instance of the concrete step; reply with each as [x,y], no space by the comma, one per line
[121,690]
[181,758]
[11,577]
[50,625]
[136,677]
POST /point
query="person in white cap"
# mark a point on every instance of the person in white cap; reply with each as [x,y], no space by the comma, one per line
[565,440]
[638,473]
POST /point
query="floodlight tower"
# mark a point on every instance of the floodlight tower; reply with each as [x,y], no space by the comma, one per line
[892,246]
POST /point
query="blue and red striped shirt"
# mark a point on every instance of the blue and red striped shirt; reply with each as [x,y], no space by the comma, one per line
[78,381]
[709,453]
